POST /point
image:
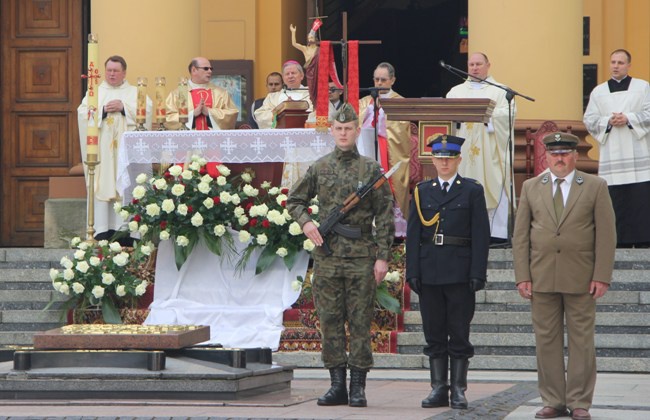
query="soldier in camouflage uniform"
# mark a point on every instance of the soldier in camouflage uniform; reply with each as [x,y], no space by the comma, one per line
[345,281]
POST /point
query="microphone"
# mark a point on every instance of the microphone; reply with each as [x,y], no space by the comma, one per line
[443,65]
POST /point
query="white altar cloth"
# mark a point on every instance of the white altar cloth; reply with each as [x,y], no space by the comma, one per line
[242,309]
[139,149]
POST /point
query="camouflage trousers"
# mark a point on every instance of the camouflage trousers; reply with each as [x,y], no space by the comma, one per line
[344,290]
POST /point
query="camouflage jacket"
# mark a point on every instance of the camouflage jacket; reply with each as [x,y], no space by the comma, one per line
[333,178]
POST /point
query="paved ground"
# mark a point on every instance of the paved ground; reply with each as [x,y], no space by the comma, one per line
[392,394]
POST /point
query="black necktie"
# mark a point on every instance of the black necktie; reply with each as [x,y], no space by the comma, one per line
[445,186]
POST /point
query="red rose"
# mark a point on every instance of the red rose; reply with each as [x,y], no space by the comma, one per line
[284,191]
[137,218]
[283,203]
[248,206]
[309,210]
[189,209]
[163,225]
[203,171]
[216,200]
[266,224]
[135,201]
[253,222]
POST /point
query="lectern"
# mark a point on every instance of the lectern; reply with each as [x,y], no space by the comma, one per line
[291,114]
[434,116]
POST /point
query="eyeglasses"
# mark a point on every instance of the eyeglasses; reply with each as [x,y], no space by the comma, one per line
[204,68]
[380,79]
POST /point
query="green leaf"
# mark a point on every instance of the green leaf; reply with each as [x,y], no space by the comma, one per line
[291,258]
[183,252]
[386,300]
[265,260]
[110,313]
[212,242]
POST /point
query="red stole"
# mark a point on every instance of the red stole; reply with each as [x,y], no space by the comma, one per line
[198,95]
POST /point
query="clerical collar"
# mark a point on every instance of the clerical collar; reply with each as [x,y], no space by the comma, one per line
[385,94]
[619,85]
[193,85]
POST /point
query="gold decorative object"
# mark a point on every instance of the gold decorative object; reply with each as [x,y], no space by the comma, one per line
[183,94]
[92,135]
[141,105]
[161,110]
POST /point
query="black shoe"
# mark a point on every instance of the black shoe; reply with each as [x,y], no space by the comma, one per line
[358,388]
[458,383]
[439,396]
[338,393]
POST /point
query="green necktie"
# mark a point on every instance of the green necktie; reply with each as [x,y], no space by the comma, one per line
[558,199]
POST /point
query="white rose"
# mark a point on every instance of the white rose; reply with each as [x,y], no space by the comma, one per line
[182,209]
[64,288]
[242,220]
[244,236]
[68,274]
[141,288]
[133,226]
[282,252]
[274,191]
[208,203]
[79,255]
[108,278]
[139,192]
[115,247]
[261,210]
[219,230]
[168,205]
[124,214]
[153,210]
[121,259]
[141,179]
[239,212]
[235,199]
[98,292]
[314,209]
[195,166]
[262,239]
[164,235]
[202,161]
[178,190]
[120,290]
[223,170]
[246,177]
[308,245]
[314,200]
[66,263]
[286,215]
[197,219]
[175,170]
[221,181]
[280,198]
[225,197]
[146,249]
[250,191]
[207,178]
[186,175]
[82,267]
[296,285]
[78,288]
[276,217]
[161,184]
[143,229]
[94,261]
[117,207]
[83,246]
[77,240]
[266,185]
[54,274]
[204,187]
[295,229]
[182,241]
[102,243]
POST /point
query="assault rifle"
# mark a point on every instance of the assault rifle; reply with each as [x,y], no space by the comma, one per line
[331,222]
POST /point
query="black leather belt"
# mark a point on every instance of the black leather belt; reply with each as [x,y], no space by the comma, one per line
[441,240]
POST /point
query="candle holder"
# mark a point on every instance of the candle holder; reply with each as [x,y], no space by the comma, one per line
[182,100]
[161,111]
[141,105]
[92,134]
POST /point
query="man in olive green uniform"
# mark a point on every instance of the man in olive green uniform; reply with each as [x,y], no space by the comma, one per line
[345,281]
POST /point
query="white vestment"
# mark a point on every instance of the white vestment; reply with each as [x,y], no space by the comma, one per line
[264,114]
[485,151]
[110,132]
[625,150]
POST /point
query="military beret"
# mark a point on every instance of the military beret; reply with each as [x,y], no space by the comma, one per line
[346,114]
[445,145]
[559,140]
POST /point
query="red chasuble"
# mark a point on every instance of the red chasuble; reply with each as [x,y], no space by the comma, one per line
[198,95]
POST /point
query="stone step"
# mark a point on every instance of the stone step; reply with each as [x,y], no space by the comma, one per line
[496,277]
[25,275]
[8,255]
[30,316]
[480,362]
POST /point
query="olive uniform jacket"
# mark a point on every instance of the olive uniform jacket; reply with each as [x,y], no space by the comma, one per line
[564,256]
[462,214]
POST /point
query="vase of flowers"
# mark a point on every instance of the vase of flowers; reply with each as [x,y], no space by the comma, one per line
[103,276]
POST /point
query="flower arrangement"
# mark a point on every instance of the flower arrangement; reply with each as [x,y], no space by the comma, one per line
[265,222]
[183,204]
[102,275]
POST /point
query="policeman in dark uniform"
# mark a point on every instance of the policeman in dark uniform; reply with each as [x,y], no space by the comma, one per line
[447,245]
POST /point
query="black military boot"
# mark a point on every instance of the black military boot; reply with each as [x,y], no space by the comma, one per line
[439,396]
[338,393]
[459,383]
[358,388]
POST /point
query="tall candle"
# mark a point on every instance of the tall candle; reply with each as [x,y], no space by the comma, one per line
[182,98]
[92,139]
[160,99]
[141,104]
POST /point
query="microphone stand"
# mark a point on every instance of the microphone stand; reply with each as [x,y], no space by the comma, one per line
[510,94]
[374,93]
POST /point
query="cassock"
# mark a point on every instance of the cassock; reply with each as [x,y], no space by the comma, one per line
[398,142]
[624,152]
[111,126]
[222,110]
[484,152]
[264,114]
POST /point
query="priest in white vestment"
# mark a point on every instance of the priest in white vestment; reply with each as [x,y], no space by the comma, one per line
[618,117]
[209,107]
[488,147]
[117,100]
